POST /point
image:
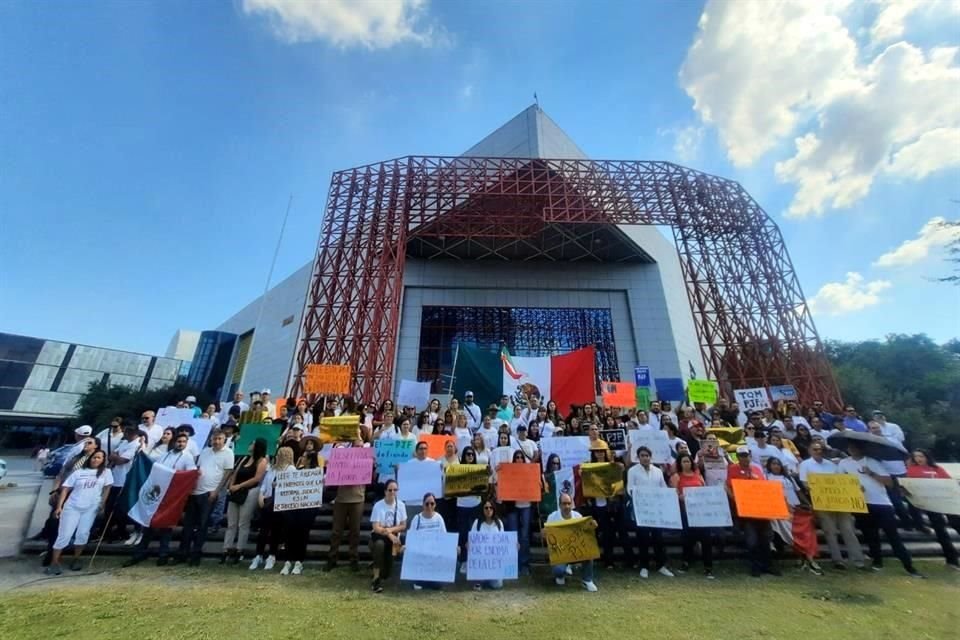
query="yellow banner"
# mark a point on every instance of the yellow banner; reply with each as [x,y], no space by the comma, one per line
[466,480]
[571,540]
[601,479]
[339,428]
[836,492]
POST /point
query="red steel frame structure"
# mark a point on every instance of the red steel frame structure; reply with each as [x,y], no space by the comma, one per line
[753,324]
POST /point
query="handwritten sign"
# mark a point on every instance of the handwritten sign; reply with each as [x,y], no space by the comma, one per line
[601,479]
[785,392]
[707,507]
[430,557]
[350,466]
[466,480]
[302,489]
[938,495]
[390,453]
[704,391]
[250,432]
[752,399]
[417,478]
[618,394]
[656,441]
[327,378]
[436,445]
[641,375]
[573,450]
[616,439]
[339,428]
[643,398]
[518,481]
[492,555]
[173,417]
[836,492]
[572,540]
[413,394]
[760,499]
[656,507]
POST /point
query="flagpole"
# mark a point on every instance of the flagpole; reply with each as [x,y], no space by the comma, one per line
[96,549]
[456,355]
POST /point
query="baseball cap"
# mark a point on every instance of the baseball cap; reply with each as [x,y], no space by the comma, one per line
[297,426]
[877,412]
[85,430]
[267,391]
[191,398]
[742,449]
[468,394]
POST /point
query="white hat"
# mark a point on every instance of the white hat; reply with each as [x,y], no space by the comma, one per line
[267,391]
[297,425]
[191,398]
[743,449]
[85,430]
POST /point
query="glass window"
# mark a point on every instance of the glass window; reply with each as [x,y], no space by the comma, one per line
[19,348]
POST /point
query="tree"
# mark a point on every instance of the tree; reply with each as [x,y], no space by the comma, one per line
[953,252]
[102,402]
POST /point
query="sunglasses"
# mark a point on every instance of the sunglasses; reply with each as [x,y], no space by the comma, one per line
[429,504]
[488,508]
[391,490]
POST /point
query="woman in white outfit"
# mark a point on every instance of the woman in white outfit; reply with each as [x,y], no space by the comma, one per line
[81,498]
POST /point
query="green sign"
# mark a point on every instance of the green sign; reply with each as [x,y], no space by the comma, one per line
[643,398]
[250,432]
[704,391]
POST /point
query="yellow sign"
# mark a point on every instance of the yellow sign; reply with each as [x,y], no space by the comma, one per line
[466,480]
[704,391]
[327,378]
[339,428]
[571,540]
[601,479]
[836,492]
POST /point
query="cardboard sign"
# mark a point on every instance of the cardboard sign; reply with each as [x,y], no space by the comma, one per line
[413,394]
[643,398]
[390,453]
[641,375]
[173,417]
[618,394]
[350,466]
[836,492]
[704,391]
[616,439]
[301,489]
[518,481]
[572,450]
[752,399]
[656,441]
[785,392]
[250,432]
[656,507]
[760,499]
[573,540]
[414,479]
[436,445]
[670,389]
[430,556]
[492,555]
[339,428]
[937,495]
[601,479]
[327,379]
[201,430]
[707,506]
[466,480]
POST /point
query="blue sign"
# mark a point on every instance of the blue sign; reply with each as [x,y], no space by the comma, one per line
[783,392]
[670,389]
[642,375]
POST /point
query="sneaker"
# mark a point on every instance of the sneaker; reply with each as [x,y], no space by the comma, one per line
[268,565]
[560,581]
[876,568]
[235,559]
[590,586]
[139,538]
[463,568]
[709,574]
[376,586]
[257,561]
[913,573]
[53,570]
[644,573]
[297,568]
[478,587]
[417,587]
[815,568]
[666,573]
[569,570]
[76,565]
[285,571]
[132,540]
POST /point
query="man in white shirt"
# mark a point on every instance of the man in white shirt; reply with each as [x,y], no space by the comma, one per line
[645,474]
[896,469]
[120,462]
[489,434]
[566,512]
[192,447]
[215,462]
[891,430]
[874,481]
[654,416]
[472,411]
[237,402]
[111,437]
[761,451]
[80,434]
[153,430]
[267,404]
[832,521]
[529,447]
[529,413]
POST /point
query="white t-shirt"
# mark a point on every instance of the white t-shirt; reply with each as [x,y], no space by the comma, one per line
[556,516]
[482,526]
[490,437]
[547,429]
[388,515]
[637,476]
[127,451]
[788,460]
[422,523]
[474,416]
[873,491]
[760,455]
[213,465]
[810,465]
[110,441]
[87,488]
[177,460]
[893,431]
[154,433]
[789,490]
[516,422]
[529,448]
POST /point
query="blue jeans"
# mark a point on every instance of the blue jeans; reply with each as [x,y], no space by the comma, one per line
[519,520]
[560,571]
[143,549]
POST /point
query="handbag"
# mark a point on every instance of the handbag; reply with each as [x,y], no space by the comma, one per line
[239,497]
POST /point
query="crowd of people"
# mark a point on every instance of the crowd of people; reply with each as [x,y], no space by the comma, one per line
[710,446]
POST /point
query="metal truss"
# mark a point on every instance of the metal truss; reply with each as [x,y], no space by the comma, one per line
[753,323]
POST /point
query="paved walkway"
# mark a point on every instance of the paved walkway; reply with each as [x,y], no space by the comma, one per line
[16,502]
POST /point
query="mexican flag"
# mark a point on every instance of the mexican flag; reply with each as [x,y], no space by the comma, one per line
[567,379]
[154,495]
[559,482]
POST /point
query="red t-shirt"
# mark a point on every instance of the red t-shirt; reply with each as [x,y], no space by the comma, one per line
[736,472]
[684,481]
[924,471]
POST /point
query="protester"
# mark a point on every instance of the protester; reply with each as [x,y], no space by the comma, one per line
[244,490]
[756,532]
[488,522]
[468,507]
[687,476]
[71,465]
[388,521]
[215,462]
[518,516]
[560,571]
[712,462]
[428,520]
[797,530]
[645,474]
[163,444]
[83,495]
[607,512]
[347,510]
[271,529]
[922,465]
[119,463]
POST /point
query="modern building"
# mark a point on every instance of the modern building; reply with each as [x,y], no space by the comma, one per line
[41,380]
[182,346]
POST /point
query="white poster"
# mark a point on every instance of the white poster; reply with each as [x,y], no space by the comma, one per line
[302,489]
[939,495]
[752,399]
[492,555]
[573,450]
[656,441]
[413,394]
[173,417]
[430,557]
[201,430]
[707,506]
[656,507]
[418,478]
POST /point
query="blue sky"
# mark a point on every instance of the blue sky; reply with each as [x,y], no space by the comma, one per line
[147,150]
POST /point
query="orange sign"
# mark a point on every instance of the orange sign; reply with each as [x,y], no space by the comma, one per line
[760,499]
[327,378]
[518,481]
[619,394]
[281,408]
[436,445]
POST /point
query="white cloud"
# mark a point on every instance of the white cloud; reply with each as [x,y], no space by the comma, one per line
[935,233]
[840,298]
[373,24]
[761,71]
[466,92]
[686,141]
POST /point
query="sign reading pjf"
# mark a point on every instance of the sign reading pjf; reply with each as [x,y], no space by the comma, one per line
[572,540]
[752,399]
[301,489]
[327,378]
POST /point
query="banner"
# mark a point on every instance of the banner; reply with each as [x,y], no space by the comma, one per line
[573,540]
[760,499]
[938,495]
[836,492]
[704,391]
[350,466]
[518,481]
[302,489]
[466,480]
[436,445]
[643,398]
[413,394]
[656,441]
[641,375]
[618,394]
[656,507]
[250,432]
[616,439]
[430,556]
[752,399]
[173,417]
[492,555]
[340,428]
[785,392]
[670,389]
[391,453]
[201,430]
[415,478]
[707,506]
[573,450]
[601,479]
[327,379]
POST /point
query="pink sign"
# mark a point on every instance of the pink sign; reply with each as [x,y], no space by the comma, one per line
[349,466]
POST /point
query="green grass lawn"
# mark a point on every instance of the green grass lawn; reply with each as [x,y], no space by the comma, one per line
[218,602]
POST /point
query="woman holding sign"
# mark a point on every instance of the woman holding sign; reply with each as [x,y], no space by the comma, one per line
[388,520]
[922,465]
[688,475]
[427,520]
[488,522]
[518,519]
